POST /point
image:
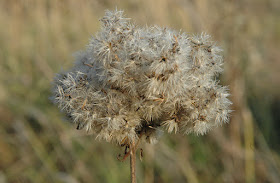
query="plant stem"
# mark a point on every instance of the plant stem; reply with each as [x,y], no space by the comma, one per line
[133,162]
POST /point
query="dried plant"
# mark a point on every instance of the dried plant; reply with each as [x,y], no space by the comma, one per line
[131,82]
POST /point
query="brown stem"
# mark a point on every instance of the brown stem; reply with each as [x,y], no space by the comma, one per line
[132,162]
[126,154]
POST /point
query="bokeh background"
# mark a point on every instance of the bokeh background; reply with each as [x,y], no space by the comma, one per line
[37,40]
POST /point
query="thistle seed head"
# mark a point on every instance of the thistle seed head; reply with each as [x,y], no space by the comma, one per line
[132,82]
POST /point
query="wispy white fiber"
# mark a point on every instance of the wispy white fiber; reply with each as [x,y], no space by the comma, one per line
[133,82]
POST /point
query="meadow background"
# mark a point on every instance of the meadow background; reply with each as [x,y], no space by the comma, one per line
[37,40]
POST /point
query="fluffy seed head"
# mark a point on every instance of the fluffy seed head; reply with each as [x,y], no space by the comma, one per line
[132,82]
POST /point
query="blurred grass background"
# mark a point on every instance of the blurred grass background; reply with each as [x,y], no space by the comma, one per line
[37,39]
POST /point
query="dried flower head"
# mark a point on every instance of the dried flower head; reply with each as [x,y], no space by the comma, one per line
[131,82]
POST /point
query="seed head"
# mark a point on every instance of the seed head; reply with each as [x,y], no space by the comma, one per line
[132,82]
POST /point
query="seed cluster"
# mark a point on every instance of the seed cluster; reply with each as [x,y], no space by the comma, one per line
[132,82]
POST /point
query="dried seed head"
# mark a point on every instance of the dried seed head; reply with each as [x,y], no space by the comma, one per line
[131,81]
